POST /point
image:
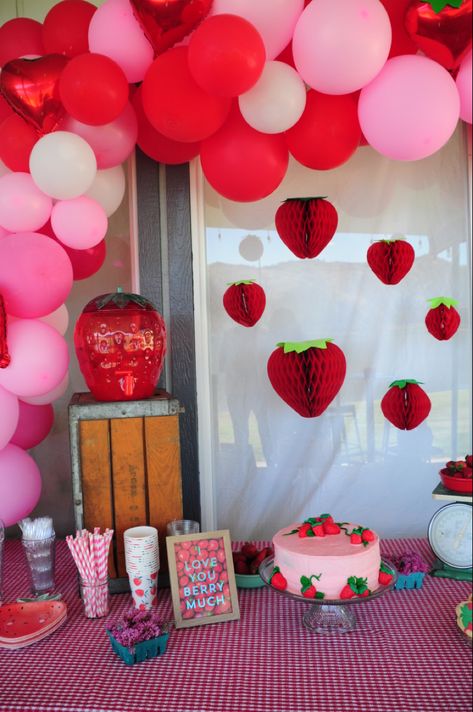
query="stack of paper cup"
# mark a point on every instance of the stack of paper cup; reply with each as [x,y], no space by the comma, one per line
[142,565]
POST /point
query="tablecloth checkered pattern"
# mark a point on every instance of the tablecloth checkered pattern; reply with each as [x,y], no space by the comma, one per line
[406,655]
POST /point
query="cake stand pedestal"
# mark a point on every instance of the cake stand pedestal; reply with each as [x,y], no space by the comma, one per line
[328,616]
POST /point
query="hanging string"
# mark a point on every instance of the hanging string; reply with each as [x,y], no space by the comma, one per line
[4,355]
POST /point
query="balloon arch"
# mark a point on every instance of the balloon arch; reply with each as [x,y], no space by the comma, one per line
[241,83]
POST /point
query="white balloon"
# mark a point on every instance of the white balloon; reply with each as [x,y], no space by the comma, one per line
[58,319]
[277,100]
[50,396]
[108,189]
[63,165]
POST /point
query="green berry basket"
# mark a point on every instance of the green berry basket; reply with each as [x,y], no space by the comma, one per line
[145,650]
[249,581]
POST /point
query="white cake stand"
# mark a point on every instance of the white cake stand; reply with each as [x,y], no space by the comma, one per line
[327,616]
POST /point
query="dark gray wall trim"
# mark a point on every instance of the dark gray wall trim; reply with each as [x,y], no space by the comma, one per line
[172,283]
[149,229]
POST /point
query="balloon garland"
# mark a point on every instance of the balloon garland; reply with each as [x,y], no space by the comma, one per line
[223,79]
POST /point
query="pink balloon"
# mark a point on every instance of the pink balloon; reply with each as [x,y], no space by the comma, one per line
[411,109]
[79,223]
[274,19]
[34,424]
[3,232]
[58,319]
[50,396]
[9,413]
[339,46]
[35,274]
[39,358]
[112,143]
[115,32]
[464,85]
[20,484]
[23,206]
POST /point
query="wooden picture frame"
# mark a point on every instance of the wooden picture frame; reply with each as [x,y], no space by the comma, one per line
[202,578]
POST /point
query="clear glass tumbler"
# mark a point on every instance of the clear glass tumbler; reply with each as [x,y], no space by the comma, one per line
[178,527]
[40,556]
[95,597]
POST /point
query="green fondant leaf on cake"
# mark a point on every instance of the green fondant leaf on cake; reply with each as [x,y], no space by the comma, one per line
[294,531]
[301,346]
[319,594]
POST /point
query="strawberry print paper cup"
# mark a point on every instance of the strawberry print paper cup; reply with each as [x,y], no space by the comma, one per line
[141,550]
[144,590]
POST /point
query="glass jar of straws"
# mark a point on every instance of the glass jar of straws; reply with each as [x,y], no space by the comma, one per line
[39,542]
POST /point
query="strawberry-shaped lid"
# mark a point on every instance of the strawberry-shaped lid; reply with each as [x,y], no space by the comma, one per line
[446,301]
[439,5]
[119,300]
[300,346]
[403,382]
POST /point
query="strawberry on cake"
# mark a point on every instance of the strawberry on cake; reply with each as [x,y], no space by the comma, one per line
[321,558]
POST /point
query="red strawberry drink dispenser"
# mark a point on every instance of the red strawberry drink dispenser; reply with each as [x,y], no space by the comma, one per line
[120,342]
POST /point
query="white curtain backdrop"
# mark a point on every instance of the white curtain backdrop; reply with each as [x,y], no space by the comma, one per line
[270,465]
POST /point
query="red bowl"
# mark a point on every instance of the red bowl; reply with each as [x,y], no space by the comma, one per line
[462,485]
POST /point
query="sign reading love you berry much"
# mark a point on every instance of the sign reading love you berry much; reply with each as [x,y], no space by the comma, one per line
[202,578]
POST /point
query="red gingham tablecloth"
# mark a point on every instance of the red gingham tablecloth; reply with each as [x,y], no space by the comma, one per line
[406,655]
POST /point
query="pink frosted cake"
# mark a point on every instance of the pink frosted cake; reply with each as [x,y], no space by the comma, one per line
[321,558]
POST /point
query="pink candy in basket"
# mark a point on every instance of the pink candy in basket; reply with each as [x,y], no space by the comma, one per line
[142,565]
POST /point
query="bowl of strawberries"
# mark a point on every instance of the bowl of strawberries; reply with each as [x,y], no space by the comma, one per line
[457,475]
[246,562]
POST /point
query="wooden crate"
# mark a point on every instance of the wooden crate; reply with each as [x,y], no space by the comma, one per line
[126,469]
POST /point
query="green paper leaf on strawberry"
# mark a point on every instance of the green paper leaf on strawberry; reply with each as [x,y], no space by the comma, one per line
[240,281]
[403,383]
[301,346]
[446,301]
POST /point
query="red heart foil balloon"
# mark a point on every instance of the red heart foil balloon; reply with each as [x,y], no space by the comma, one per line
[444,36]
[167,22]
[30,86]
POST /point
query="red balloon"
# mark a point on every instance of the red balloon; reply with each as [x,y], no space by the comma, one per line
[93,89]
[174,103]
[401,43]
[444,36]
[31,88]
[20,37]
[327,133]
[17,139]
[5,109]
[167,23]
[85,263]
[226,55]
[157,146]
[241,163]
[66,28]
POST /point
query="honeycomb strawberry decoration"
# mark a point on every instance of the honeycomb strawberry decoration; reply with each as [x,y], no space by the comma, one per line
[306,225]
[442,319]
[245,302]
[390,260]
[307,375]
[406,405]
